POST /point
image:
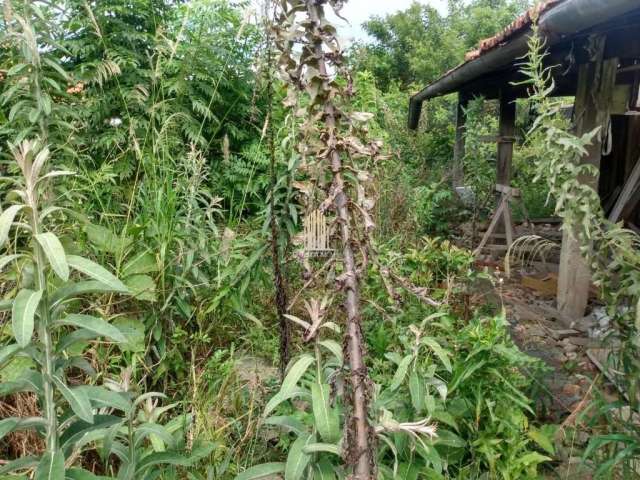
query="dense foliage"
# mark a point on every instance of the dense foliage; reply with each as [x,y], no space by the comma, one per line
[154,172]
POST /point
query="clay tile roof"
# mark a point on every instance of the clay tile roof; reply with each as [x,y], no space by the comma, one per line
[519,24]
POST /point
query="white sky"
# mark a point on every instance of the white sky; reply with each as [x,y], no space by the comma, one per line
[359,11]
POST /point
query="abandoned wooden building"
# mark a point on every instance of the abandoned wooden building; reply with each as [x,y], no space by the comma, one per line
[594,51]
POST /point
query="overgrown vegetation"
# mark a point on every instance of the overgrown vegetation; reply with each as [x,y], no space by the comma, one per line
[158,160]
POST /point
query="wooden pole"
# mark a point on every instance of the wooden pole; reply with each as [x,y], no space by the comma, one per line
[507,131]
[596,81]
[459,145]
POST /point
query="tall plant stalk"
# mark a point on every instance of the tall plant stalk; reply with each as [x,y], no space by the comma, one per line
[276,257]
[332,141]
[360,454]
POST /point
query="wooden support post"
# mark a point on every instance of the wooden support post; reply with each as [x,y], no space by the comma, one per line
[459,145]
[596,81]
[506,138]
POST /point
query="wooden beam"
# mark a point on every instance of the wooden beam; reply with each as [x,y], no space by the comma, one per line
[459,145]
[630,187]
[596,81]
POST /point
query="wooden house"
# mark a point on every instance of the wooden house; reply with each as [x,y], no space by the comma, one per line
[594,49]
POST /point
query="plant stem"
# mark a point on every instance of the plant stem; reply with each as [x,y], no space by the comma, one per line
[358,431]
[45,336]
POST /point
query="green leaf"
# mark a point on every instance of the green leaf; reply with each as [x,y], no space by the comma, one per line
[417,390]
[149,429]
[105,240]
[140,264]
[133,330]
[93,324]
[76,289]
[324,470]
[544,438]
[19,464]
[261,471]
[6,219]
[7,259]
[161,458]
[298,460]
[142,287]
[441,353]
[334,348]
[78,339]
[8,351]
[54,252]
[22,315]
[101,398]
[322,447]
[281,397]
[326,418]
[296,372]
[12,424]
[77,398]
[51,467]
[97,272]
[288,422]
[401,373]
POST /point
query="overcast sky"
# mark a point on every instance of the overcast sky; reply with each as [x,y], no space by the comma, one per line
[359,11]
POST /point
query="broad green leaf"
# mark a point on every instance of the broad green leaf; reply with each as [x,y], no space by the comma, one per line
[440,352]
[298,460]
[324,470]
[161,458]
[8,425]
[97,272]
[102,397]
[93,324]
[7,259]
[105,240]
[334,348]
[417,389]
[281,397]
[54,252]
[6,219]
[544,437]
[22,315]
[322,447]
[51,467]
[81,433]
[78,339]
[8,351]
[140,264]
[288,422]
[12,424]
[296,372]
[76,289]
[133,330]
[401,372]
[77,398]
[19,464]
[326,417]
[261,471]
[142,287]
[148,429]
